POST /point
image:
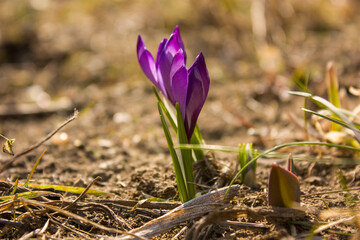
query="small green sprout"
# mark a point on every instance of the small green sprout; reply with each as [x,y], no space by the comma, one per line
[284,186]
[332,84]
[246,153]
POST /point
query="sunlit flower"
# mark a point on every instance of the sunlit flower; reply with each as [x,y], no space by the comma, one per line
[188,87]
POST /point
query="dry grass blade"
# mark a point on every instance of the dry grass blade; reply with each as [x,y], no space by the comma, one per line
[236,224]
[104,208]
[192,209]
[50,135]
[133,203]
[77,217]
[331,224]
[83,193]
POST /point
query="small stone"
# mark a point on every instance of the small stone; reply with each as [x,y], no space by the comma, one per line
[60,139]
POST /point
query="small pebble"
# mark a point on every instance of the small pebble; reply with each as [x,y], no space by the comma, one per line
[60,139]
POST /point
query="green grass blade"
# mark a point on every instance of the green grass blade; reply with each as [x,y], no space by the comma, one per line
[197,139]
[31,194]
[70,189]
[287,145]
[185,155]
[242,160]
[300,94]
[337,112]
[15,187]
[165,111]
[236,149]
[332,85]
[177,168]
[33,169]
[339,122]
[332,108]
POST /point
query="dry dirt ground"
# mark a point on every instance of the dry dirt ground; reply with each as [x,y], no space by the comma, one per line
[59,55]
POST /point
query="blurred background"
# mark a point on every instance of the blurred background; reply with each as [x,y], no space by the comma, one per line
[57,55]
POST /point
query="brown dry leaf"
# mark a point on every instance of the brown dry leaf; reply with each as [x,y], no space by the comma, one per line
[8,147]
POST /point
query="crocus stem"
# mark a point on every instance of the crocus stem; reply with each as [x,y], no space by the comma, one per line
[185,156]
[180,181]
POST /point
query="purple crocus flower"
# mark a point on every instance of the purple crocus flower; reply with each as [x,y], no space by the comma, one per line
[188,87]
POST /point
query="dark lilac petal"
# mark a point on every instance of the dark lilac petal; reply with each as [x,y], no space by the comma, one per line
[160,50]
[198,88]
[172,46]
[146,61]
[179,81]
[176,32]
[161,85]
[164,64]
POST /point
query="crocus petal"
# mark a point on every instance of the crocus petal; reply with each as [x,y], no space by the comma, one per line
[284,188]
[198,88]
[160,50]
[164,64]
[176,32]
[146,61]
[179,81]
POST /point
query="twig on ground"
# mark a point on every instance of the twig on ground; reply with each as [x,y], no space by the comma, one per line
[104,208]
[247,225]
[192,209]
[83,193]
[50,135]
[331,224]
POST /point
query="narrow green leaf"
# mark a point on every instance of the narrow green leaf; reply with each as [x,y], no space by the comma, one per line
[286,145]
[236,149]
[185,155]
[165,110]
[33,169]
[31,194]
[248,177]
[177,168]
[328,118]
[332,108]
[15,186]
[301,94]
[197,139]
[70,189]
[337,112]
[332,84]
